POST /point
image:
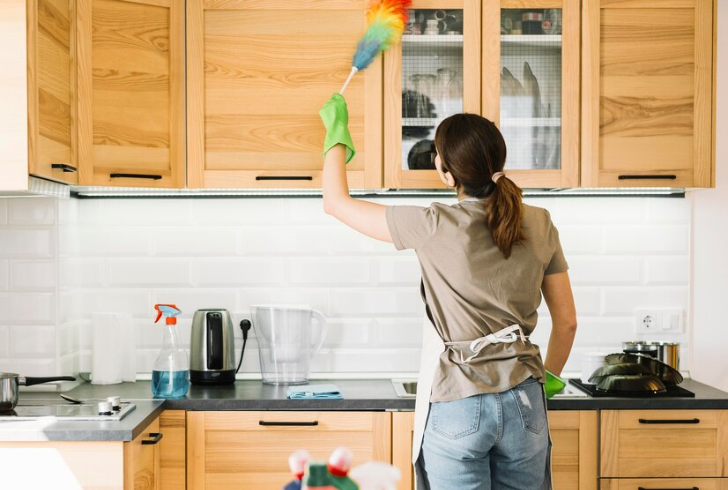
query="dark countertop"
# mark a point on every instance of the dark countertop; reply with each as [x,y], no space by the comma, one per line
[359,395]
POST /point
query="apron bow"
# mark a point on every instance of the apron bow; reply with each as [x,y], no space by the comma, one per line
[504,336]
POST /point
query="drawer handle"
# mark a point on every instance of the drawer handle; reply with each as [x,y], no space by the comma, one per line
[288,424]
[156,437]
[645,488]
[63,166]
[135,176]
[283,177]
[677,421]
[648,177]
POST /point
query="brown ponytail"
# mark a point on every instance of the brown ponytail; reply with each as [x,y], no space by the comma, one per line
[472,149]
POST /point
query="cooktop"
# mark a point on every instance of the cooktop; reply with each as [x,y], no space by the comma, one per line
[87,412]
[672,392]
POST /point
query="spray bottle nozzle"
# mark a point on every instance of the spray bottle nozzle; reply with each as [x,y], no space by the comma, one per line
[169,312]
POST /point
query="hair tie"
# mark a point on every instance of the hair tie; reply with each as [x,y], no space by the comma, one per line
[497,176]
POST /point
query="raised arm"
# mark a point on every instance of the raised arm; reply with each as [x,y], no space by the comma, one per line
[363,216]
[556,290]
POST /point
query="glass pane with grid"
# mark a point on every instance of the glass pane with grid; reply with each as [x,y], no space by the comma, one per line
[530,101]
[432,80]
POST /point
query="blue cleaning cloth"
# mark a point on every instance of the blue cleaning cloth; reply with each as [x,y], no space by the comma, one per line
[314,392]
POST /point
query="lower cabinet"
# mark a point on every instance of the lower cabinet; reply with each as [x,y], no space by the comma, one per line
[249,450]
[173,450]
[663,484]
[98,465]
[573,456]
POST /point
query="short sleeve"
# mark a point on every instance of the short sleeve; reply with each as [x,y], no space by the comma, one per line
[410,226]
[558,261]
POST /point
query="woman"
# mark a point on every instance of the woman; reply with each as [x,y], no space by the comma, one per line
[480,417]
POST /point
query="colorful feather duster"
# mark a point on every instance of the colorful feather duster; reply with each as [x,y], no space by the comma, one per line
[385,20]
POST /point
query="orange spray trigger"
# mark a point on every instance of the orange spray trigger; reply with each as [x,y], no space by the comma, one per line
[169,311]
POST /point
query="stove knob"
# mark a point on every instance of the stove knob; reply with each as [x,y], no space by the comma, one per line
[115,402]
[105,408]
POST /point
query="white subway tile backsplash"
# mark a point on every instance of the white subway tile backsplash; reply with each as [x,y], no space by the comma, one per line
[401,271]
[656,239]
[33,276]
[148,272]
[316,298]
[375,302]
[238,272]
[114,241]
[33,340]
[32,211]
[330,271]
[202,241]
[604,270]
[624,300]
[668,270]
[4,275]
[25,243]
[127,255]
[29,308]
[29,367]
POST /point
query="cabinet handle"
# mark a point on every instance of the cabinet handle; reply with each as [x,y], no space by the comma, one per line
[676,421]
[645,488]
[648,177]
[288,424]
[63,166]
[156,437]
[283,177]
[135,176]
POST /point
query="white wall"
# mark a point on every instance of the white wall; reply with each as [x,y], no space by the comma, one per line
[710,244]
[127,255]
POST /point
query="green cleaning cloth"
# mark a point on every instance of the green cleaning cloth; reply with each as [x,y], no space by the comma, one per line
[553,385]
[335,116]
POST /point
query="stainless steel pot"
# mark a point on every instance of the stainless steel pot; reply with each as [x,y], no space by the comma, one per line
[9,383]
[667,352]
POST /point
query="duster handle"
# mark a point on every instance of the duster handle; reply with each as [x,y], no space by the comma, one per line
[351,75]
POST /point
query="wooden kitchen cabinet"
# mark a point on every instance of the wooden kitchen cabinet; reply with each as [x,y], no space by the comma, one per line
[573,455]
[173,450]
[131,93]
[648,94]
[250,450]
[664,484]
[258,71]
[93,465]
[664,444]
[51,89]
[482,67]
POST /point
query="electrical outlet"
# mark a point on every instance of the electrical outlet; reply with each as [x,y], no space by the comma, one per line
[659,320]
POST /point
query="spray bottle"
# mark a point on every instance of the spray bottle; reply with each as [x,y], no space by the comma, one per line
[171,372]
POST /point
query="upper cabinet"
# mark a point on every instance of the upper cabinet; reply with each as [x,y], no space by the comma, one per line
[131,93]
[258,71]
[51,89]
[531,87]
[433,73]
[648,96]
[515,62]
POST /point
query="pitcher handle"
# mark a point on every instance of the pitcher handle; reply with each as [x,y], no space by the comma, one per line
[316,345]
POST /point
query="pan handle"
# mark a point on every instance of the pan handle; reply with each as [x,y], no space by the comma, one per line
[28,381]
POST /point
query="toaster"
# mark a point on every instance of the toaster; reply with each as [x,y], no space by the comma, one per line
[212,348]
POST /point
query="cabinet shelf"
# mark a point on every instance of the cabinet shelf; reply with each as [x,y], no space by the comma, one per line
[439,39]
[420,122]
[546,41]
[526,122]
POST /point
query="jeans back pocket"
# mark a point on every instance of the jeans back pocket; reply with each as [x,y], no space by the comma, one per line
[530,401]
[456,419]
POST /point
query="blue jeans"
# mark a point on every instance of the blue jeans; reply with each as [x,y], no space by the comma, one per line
[495,440]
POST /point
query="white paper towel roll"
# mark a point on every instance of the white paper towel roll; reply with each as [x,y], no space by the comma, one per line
[111,347]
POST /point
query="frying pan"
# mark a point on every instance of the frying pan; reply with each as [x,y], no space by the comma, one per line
[667,374]
[618,369]
[630,383]
[9,383]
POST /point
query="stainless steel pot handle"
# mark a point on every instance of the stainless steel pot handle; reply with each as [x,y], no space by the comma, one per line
[29,381]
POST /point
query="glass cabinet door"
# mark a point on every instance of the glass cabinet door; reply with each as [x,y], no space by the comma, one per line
[531,87]
[432,74]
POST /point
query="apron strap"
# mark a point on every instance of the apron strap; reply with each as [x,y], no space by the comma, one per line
[504,336]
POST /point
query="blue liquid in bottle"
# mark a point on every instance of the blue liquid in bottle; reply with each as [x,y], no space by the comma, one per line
[166,384]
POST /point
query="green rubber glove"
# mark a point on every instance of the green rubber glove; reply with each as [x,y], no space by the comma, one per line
[553,385]
[335,117]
